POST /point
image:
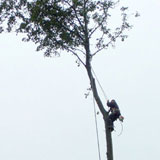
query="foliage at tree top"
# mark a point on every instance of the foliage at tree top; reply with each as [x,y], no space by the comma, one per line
[69,25]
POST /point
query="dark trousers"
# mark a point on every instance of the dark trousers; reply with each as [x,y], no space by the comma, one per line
[112,117]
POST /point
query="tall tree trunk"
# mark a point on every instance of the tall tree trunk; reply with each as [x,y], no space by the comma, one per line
[104,113]
[108,142]
[94,89]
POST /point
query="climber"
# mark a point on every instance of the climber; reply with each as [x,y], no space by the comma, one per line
[114,115]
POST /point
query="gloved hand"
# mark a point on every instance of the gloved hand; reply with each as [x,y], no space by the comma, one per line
[121,118]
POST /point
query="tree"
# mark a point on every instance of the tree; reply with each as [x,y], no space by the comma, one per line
[71,26]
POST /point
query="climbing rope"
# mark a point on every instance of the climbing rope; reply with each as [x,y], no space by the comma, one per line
[121,129]
[104,94]
[95,114]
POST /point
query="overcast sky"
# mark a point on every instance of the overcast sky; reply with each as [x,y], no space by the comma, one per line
[43,111]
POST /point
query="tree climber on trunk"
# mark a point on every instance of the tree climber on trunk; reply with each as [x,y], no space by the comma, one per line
[114,115]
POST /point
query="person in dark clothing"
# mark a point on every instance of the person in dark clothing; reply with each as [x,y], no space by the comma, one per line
[114,115]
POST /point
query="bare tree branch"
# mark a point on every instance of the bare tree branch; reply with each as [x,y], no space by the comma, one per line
[76,56]
[76,49]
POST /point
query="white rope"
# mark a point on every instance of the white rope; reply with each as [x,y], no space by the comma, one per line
[95,114]
[121,129]
[105,96]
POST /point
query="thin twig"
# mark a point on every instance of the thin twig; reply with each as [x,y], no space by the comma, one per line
[79,50]
[106,45]
[76,56]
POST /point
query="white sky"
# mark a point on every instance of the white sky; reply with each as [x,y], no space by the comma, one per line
[43,112]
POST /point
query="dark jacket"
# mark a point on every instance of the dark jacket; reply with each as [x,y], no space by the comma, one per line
[114,107]
[112,104]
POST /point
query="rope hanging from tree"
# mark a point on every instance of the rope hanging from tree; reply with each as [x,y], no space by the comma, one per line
[105,96]
[95,115]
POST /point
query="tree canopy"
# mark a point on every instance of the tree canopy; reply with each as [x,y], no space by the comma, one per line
[69,25]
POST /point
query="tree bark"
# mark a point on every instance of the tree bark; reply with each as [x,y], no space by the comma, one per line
[94,90]
[108,133]
[108,141]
